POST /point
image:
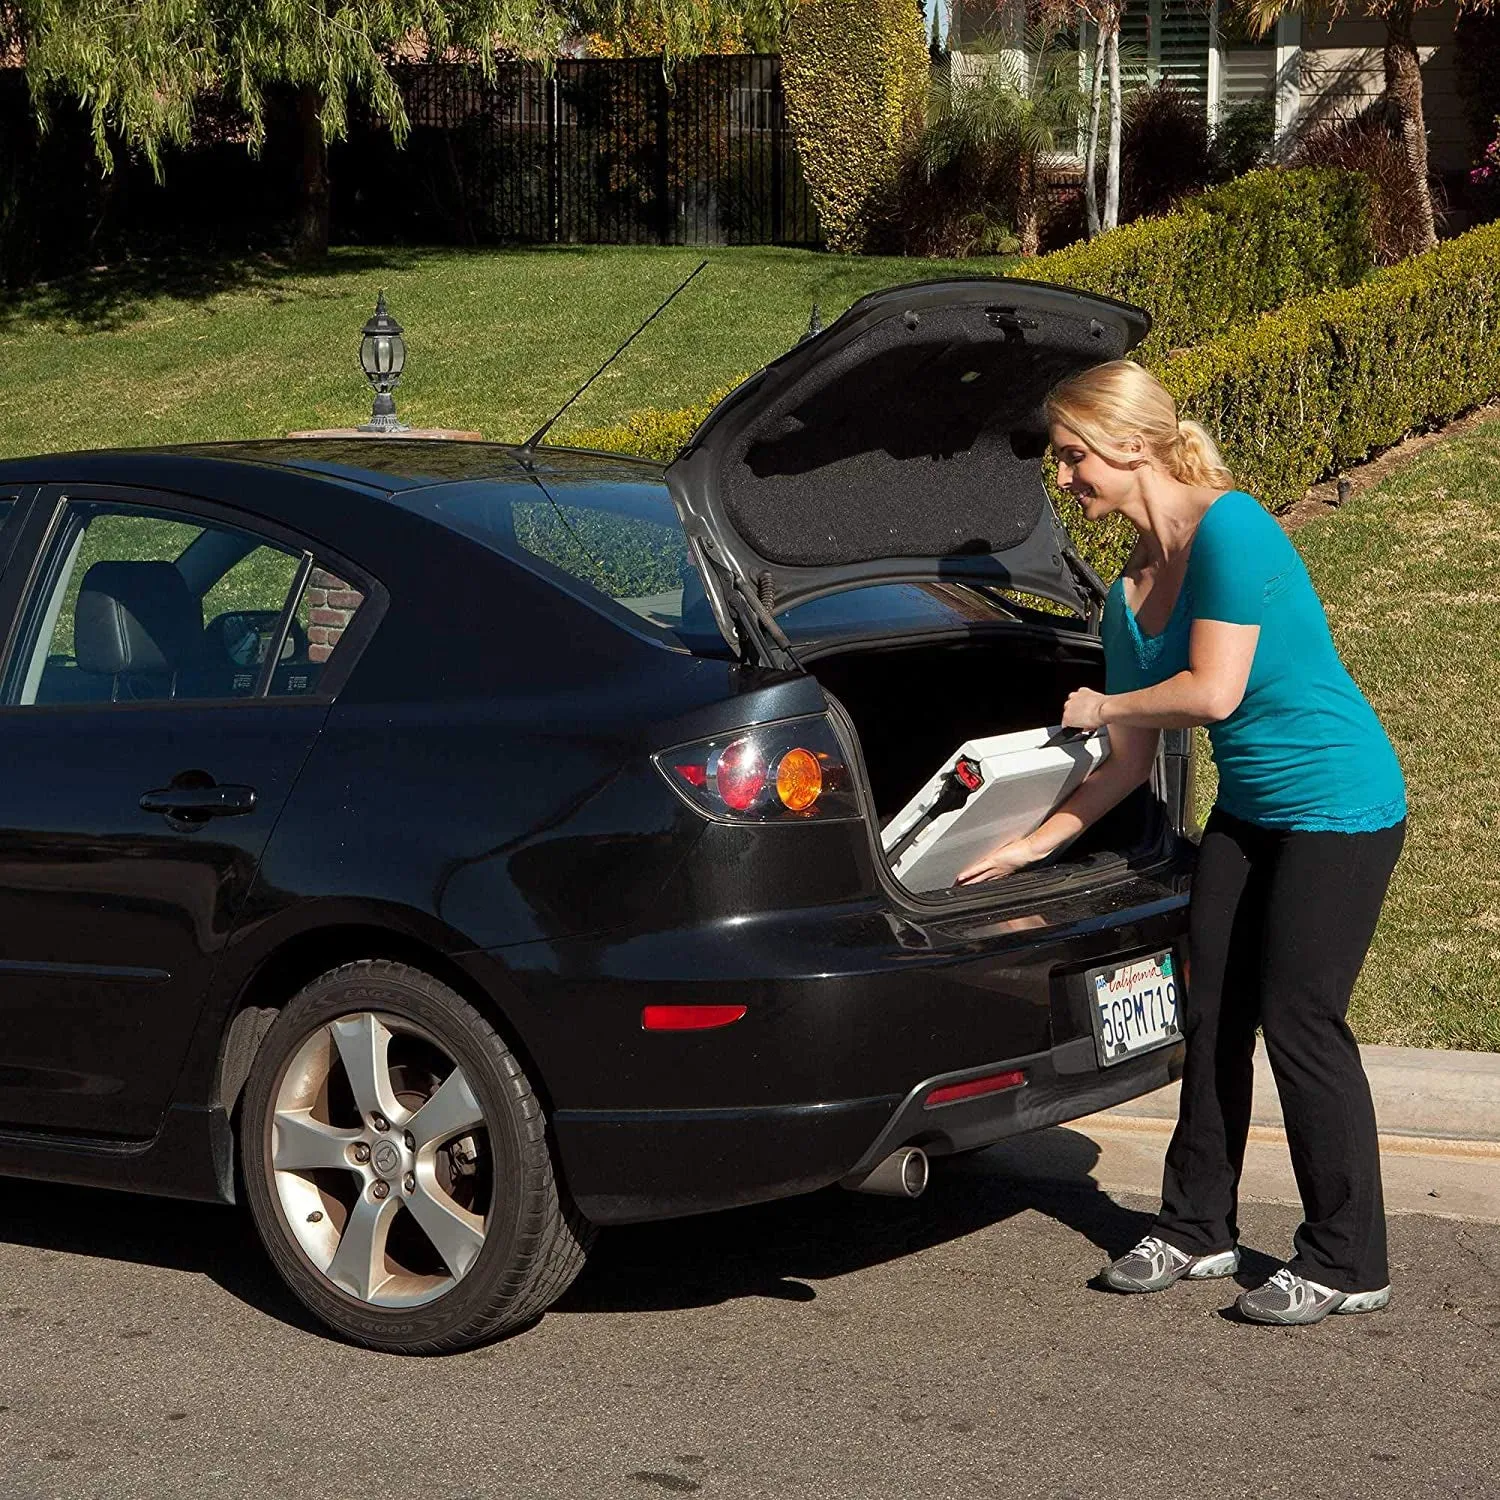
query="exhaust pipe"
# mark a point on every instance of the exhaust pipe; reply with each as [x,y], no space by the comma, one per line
[903,1174]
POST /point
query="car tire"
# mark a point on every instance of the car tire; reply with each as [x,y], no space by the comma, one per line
[409,1232]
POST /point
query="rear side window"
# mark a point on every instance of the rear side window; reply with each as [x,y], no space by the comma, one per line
[135,605]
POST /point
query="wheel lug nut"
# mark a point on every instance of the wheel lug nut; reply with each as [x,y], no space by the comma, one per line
[381,1190]
[411,1182]
[380,1122]
[411,1141]
[361,1152]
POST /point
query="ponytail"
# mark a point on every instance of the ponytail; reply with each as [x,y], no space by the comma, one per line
[1195,457]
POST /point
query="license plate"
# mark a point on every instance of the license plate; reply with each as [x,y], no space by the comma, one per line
[1135,1007]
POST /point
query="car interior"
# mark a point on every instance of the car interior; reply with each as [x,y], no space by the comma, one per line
[139,632]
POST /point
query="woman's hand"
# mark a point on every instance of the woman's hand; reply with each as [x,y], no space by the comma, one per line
[1084,710]
[997,863]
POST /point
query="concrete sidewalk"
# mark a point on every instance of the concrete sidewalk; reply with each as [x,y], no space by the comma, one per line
[1439,1118]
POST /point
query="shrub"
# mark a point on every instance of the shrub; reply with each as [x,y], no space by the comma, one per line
[1227,255]
[855,74]
[1325,381]
[1367,144]
[650,433]
[1165,153]
[977,167]
[1243,138]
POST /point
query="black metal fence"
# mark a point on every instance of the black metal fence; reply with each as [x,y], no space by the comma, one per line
[596,151]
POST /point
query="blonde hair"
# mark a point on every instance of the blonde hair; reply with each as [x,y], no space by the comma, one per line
[1111,403]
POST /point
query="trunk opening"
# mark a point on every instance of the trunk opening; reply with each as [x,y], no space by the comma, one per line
[912,704]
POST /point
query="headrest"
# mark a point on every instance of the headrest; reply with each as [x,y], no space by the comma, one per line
[137,617]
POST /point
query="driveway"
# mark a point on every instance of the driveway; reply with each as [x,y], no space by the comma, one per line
[834,1346]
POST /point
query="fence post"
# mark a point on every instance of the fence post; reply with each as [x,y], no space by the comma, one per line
[663,159]
[778,146]
[554,154]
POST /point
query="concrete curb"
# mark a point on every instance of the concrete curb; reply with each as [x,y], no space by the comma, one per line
[1438,1113]
[1439,1096]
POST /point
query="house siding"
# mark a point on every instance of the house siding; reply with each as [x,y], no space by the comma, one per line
[1343,69]
[1339,70]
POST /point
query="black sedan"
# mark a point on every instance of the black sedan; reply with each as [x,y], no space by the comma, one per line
[449,848]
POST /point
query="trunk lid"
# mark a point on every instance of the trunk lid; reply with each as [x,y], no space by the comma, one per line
[904,442]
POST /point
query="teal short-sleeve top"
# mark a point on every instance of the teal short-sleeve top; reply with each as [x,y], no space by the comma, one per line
[1304,749]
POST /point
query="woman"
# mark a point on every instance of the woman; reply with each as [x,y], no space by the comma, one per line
[1215,622]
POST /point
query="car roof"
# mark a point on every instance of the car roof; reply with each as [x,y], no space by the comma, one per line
[372,465]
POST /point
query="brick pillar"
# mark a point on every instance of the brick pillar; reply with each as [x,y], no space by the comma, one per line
[330,604]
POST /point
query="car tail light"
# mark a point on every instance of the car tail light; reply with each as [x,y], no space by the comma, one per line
[793,771]
[974,1088]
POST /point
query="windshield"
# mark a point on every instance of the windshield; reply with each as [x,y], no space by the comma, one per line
[619,545]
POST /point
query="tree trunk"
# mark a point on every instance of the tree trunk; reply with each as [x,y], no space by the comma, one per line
[1091,150]
[1403,88]
[314,212]
[1112,176]
[1027,210]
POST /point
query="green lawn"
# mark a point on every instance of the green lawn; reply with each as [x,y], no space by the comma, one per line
[1407,572]
[497,339]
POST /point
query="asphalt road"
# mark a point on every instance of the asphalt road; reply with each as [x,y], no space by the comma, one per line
[834,1346]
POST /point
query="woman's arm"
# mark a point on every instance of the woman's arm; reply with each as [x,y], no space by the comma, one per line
[1132,752]
[1219,660]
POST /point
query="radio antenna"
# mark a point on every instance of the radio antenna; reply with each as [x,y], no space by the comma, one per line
[530,444]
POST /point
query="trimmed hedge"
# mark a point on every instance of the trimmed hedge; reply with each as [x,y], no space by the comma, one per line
[855,73]
[1227,255]
[1324,382]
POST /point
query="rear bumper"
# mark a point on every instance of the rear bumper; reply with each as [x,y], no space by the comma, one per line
[629,1165]
[851,1021]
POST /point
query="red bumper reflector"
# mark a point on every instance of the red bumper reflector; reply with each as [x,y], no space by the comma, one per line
[976,1087]
[689,1017]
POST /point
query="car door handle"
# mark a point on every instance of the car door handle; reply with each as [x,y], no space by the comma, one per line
[194,803]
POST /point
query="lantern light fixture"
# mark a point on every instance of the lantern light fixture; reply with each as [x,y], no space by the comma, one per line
[382,356]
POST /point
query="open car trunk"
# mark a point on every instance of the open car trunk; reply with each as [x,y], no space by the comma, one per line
[913,703]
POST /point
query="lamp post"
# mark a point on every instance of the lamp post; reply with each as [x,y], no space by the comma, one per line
[382,355]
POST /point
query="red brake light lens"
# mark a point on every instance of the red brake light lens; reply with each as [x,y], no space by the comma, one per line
[794,771]
[740,776]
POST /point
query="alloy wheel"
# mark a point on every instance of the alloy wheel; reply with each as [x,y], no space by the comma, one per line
[380,1157]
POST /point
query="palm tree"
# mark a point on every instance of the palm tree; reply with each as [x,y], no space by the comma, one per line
[1007,111]
[1403,75]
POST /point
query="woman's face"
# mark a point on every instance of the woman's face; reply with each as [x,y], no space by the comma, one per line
[1098,485]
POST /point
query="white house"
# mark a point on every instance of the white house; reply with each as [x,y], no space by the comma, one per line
[1309,68]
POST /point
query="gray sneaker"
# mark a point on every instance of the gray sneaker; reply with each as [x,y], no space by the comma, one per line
[1154,1265]
[1291,1299]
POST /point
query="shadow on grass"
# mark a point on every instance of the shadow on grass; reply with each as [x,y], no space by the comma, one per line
[110,296]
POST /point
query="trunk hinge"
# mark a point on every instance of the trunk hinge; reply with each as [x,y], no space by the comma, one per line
[1093,592]
[744,618]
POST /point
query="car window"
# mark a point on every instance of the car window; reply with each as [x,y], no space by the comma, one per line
[886,606]
[137,605]
[116,619]
[620,543]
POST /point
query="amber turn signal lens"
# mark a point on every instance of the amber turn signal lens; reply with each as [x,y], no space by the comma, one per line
[799,780]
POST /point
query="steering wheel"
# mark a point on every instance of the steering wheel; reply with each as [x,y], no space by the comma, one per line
[243,635]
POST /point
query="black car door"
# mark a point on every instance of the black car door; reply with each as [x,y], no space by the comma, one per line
[160,695]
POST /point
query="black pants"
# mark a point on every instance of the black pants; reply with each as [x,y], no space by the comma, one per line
[1280,926]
